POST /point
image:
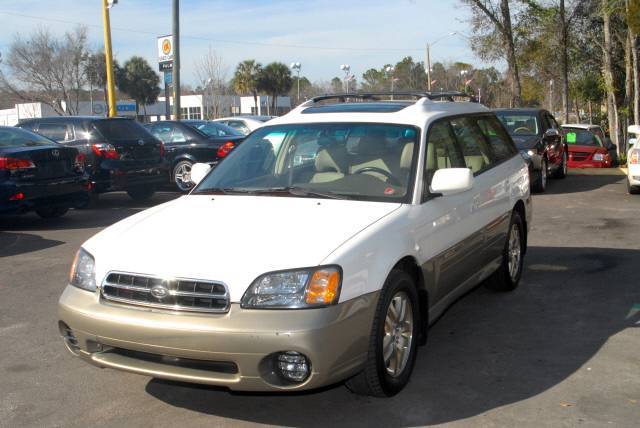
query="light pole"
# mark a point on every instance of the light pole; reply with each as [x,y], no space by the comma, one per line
[463,76]
[297,66]
[429,45]
[389,70]
[551,96]
[346,68]
[111,91]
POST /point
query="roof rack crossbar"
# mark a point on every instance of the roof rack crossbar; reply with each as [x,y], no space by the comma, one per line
[441,95]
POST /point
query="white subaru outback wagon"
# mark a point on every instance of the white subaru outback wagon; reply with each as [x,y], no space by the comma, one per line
[317,252]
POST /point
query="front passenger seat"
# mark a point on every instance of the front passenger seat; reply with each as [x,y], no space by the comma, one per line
[330,164]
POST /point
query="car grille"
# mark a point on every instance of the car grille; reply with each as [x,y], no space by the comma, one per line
[176,294]
[580,156]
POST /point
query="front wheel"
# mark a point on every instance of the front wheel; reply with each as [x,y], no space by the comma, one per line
[393,340]
[141,193]
[562,169]
[507,277]
[540,184]
[51,212]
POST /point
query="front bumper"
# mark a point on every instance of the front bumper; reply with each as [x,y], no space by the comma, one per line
[588,164]
[334,339]
[633,174]
[61,192]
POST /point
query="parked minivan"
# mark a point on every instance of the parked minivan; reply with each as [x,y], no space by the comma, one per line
[349,227]
[119,153]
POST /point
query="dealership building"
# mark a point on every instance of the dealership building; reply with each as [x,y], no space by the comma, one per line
[191,107]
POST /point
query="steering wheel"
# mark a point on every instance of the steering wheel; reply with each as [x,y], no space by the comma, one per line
[390,178]
[523,129]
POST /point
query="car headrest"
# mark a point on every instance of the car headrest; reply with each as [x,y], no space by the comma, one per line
[407,156]
[330,159]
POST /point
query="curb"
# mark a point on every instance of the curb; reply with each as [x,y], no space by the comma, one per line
[598,171]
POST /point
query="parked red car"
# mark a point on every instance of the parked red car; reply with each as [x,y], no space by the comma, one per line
[586,148]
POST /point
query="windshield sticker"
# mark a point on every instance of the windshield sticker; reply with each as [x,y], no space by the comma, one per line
[571,137]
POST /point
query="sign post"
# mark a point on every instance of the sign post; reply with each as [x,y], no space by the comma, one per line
[165,65]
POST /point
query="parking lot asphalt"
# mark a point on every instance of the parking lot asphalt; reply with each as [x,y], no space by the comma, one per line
[563,350]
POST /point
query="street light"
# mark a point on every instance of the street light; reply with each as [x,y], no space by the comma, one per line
[346,68]
[463,75]
[297,66]
[429,55]
[390,70]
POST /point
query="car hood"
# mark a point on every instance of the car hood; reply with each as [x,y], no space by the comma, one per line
[525,142]
[230,238]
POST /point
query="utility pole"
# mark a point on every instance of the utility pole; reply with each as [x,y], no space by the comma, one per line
[176,59]
[111,92]
[428,69]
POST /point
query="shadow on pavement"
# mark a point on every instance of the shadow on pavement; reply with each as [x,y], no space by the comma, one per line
[487,351]
[111,208]
[582,183]
[13,244]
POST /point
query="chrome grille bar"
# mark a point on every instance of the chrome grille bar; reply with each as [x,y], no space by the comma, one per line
[174,294]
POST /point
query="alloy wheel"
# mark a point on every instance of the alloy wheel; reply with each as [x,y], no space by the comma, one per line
[182,176]
[514,252]
[398,334]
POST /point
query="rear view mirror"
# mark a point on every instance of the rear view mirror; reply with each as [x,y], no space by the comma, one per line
[199,171]
[450,181]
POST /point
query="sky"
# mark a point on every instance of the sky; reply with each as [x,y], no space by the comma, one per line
[320,34]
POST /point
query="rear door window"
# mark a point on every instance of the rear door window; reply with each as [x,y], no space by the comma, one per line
[477,152]
[498,139]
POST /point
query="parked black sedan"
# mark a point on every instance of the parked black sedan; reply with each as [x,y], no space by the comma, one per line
[191,141]
[38,174]
[120,154]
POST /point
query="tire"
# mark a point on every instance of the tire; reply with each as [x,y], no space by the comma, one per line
[141,193]
[507,277]
[561,172]
[633,190]
[540,185]
[182,175]
[385,379]
[51,212]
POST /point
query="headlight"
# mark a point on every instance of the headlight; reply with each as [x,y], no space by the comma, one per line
[83,273]
[598,157]
[299,288]
[532,152]
[525,154]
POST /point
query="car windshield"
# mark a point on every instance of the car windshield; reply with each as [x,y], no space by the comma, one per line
[120,129]
[519,123]
[213,129]
[361,161]
[16,137]
[581,137]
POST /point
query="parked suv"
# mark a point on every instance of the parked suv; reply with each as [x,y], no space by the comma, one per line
[119,153]
[539,138]
[348,229]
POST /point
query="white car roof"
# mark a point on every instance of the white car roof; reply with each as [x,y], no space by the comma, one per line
[580,126]
[416,113]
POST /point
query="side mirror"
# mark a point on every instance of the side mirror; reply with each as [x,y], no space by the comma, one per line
[199,171]
[632,142]
[551,133]
[608,144]
[450,181]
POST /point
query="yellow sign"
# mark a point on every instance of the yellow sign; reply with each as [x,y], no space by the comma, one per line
[166,47]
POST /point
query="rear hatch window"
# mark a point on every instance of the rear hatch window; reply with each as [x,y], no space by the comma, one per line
[130,139]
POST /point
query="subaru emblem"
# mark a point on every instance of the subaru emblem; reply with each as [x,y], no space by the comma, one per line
[55,153]
[141,142]
[160,291]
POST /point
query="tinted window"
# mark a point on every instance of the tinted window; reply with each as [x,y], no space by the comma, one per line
[581,137]
[239,126]
[120,129]
[55,131]
[16,137]
[214,129]
[500,142]
[476,150]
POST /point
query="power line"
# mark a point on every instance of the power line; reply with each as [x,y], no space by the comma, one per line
[223,41]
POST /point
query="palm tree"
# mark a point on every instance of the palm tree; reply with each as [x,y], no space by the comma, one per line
[138,79]
[245,79]
[275,79]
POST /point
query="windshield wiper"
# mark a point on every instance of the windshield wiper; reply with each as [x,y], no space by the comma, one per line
[300,191]
[222,190]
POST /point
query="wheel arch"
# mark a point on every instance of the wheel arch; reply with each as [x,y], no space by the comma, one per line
[410,265]
[183,157]
[520,208]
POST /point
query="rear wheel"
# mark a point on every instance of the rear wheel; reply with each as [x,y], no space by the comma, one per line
[393,340]
[182,175]
[507,277]
[141,193]
[540,184]
[51,212]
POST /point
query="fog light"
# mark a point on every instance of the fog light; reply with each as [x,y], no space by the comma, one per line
[293,366]
[67,335]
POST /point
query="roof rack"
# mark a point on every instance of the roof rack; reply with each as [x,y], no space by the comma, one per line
[443,95]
